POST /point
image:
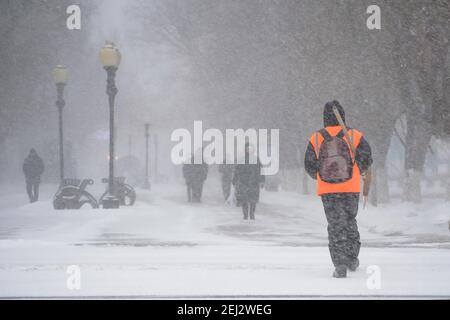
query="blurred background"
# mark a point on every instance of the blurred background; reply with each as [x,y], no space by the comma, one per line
[232,64]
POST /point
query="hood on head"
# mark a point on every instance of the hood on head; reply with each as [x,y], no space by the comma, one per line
[329,119]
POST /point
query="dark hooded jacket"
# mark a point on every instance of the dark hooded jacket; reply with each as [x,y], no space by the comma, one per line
[363,155]
[247,179]
[195,173]
[33,166]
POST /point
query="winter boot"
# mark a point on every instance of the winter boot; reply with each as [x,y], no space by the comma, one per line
[340,272]
[353,265]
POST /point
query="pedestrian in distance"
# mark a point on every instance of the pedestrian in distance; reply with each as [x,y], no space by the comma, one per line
[33,168]
[195,176]
[247,180]
[226,177]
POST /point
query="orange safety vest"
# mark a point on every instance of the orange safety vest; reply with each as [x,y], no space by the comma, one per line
[352,185]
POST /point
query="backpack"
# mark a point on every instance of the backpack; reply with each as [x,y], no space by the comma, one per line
[335,158]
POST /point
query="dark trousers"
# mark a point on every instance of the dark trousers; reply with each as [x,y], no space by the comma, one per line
[226,188]
[343,236]
[189,191]
[194,191]
[33,190]
[248,208]
[197,190]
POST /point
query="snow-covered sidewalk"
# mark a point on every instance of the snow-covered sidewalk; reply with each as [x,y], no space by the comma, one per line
[164,247]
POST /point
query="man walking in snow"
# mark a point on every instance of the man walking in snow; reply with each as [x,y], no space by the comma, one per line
[33,167]
[195,176]
[247,180]
[329,160]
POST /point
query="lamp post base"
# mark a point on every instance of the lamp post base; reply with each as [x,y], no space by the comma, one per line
[110,202]
[146,185]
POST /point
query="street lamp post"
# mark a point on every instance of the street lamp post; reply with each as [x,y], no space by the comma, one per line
[155,137]
[60,78]
[110,58]
[147,135]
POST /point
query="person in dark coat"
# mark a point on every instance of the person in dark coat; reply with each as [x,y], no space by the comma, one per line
[247,180]
[195,175]
[340,200]
[226,172]
[33,167]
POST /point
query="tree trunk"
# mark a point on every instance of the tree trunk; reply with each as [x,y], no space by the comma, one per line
[417,142]
[448,181]
[382,185]
[448,188]
[413,192]
[379,136]
[416,149]
[373,194]
[305,183]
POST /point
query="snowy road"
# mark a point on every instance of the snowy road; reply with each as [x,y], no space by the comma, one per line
[163,247]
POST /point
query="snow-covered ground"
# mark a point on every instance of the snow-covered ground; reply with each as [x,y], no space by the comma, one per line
[164,247]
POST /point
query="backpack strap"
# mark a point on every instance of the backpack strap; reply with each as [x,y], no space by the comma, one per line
[351,132]
[340,134]
[325,134]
